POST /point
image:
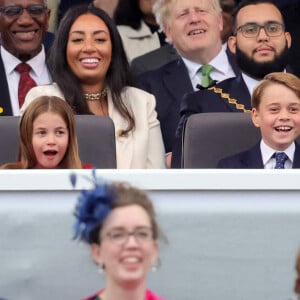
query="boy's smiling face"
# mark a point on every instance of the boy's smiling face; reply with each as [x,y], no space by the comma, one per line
[278,116]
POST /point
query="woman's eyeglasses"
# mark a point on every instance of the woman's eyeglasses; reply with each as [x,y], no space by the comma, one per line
[121,236]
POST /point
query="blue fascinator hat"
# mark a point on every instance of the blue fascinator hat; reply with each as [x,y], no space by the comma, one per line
[92,208]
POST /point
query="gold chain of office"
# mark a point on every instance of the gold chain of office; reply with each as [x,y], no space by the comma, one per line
[232,101]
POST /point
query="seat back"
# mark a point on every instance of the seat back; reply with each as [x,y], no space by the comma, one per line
[95,134]
[208,137]
[9,134]
[96,141]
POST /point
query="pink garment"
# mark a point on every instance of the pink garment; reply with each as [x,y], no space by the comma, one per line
[149,296]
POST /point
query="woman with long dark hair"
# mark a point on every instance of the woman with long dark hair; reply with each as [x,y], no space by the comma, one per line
[89,68]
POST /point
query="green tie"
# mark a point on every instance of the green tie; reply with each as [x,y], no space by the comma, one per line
[206,79]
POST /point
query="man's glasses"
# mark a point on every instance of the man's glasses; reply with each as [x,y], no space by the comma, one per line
[252,30]
[121,236]
[16,11]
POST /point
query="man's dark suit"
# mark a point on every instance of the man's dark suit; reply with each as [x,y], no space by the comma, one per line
[153,59]
[169,84]
[230,95]
[252,159]
[5,97]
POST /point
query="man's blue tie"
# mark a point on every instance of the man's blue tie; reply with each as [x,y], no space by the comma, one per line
[280,157]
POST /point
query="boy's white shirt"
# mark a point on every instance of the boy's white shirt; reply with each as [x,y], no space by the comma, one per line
[267,152]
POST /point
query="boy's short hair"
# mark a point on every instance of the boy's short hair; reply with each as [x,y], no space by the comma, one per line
[289,80]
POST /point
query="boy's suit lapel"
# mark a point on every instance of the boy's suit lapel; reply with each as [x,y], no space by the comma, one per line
[253,158]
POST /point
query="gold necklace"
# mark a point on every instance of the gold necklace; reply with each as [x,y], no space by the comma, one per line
[95,96]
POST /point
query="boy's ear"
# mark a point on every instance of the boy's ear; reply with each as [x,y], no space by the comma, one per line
[255,117]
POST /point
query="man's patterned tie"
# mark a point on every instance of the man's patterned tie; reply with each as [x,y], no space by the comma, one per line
[25,83]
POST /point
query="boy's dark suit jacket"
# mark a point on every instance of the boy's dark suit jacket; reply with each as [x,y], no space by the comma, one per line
[5,97]
[169,84]
[252,159]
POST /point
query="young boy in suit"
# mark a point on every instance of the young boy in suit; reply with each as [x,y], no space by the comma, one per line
[276,111]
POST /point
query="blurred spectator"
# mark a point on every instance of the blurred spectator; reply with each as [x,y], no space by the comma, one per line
[227,9]
[107,5]
[138,28]
[64,5]
[290,10]
[297,282]
[53,6]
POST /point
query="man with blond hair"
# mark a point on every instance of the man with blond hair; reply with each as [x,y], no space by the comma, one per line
[158,57]
[194,28]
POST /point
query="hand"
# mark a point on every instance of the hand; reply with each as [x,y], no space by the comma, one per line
[168,160]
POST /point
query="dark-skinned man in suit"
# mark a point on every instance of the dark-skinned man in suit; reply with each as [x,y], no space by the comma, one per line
[23,26]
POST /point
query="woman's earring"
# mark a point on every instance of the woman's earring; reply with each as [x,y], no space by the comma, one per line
[101,269]
[156,265]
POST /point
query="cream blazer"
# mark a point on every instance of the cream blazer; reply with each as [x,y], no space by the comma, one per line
[143,148]
[138,42]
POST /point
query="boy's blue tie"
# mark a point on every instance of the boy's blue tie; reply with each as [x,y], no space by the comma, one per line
[280,157]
